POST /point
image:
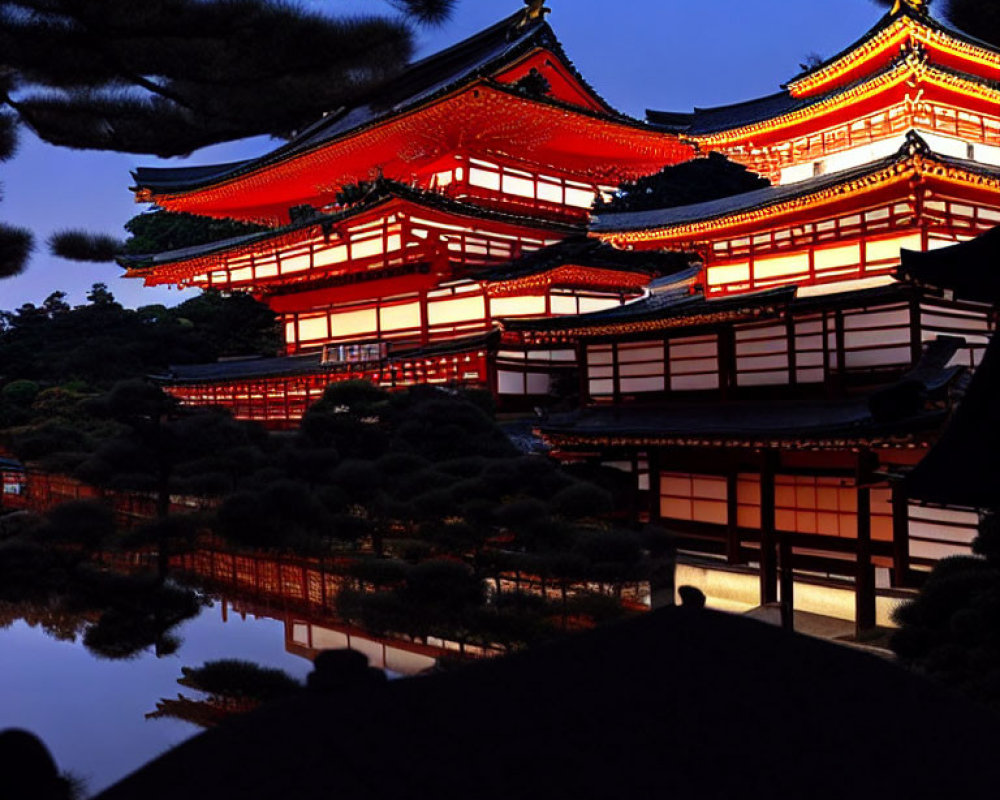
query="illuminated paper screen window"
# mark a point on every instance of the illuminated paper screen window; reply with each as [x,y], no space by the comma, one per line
[521,187]
[762,356]
[724,274]
[295,263]
[529,305]
[780,266]
[841,257]
[940,532]
[694,498]
[562,304]
[401,317]
[590,304]
[809,352]
[366,248]
[313,328]
[888,249]
[694,363]
[510,383]
[828,507]
[354,323]
[641,367]
[600,370]
[463,309]
[484,179]
[580,198]
[550,192]
[328,257]
[748,501]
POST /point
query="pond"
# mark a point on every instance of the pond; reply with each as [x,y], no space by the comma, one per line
[92,711]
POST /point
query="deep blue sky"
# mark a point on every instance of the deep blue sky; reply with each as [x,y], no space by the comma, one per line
[666,54]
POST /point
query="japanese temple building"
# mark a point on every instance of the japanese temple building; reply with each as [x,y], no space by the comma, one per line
[759,362]
[474,158]
[770,414]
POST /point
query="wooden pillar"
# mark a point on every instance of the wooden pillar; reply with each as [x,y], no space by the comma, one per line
[787,583]
[900,535]
[733,543]
[864,589]
[768,549]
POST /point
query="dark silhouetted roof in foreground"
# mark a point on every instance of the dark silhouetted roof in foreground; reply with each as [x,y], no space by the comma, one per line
[970,269]
[963,468]
[677,703]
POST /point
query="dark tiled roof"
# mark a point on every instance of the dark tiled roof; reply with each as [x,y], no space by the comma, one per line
[897,409]
[772,195]
[740,421]
[382,192]
[479,56]
[677,702]
[704,121]
[970,269]
[660,306]
[309,364]
[883,23]
[587,252]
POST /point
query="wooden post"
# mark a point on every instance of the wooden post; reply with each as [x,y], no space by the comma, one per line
[733,543]
[768,553]
[865,582]
[787,583]
[900,535]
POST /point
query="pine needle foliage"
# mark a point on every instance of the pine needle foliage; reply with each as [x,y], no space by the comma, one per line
[696,181]
[166,77]
[979,18]
[81,246]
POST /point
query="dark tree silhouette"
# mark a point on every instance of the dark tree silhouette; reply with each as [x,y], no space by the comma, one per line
[167,77]
[980,18]
[951,631]
[696,181]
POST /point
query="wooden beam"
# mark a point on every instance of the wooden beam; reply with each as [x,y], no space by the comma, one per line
[733,543]
[864,589]
[768,548]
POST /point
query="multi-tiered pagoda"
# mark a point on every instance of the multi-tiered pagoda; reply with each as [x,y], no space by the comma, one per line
[769,398]
[771,411]
[398,227]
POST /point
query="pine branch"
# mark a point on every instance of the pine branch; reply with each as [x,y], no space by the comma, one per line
[16,245]
[83,246]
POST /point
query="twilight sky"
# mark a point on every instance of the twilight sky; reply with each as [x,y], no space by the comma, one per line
[664,54]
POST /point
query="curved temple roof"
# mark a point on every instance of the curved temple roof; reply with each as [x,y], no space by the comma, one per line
[480,56]
[813,85]
[772,195]
[382,192]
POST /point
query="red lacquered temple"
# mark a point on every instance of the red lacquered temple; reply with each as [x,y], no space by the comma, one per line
[470,161]
[759,362]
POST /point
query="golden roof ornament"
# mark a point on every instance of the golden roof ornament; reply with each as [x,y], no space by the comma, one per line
[918,7]
[535,10]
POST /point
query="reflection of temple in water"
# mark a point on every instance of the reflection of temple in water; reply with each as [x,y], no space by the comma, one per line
[301,593]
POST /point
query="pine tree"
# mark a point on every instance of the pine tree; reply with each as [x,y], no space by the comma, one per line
[166,77]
